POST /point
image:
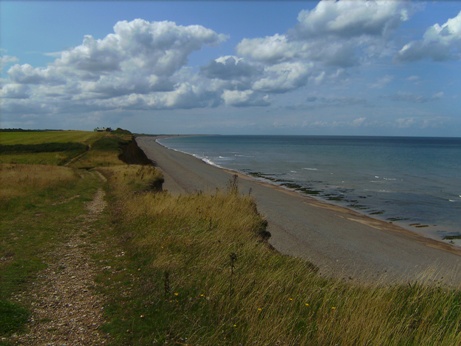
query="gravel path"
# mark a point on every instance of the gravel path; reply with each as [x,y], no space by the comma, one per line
[340,242]
[66,310]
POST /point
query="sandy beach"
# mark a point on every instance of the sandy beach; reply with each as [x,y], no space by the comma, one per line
[340,242]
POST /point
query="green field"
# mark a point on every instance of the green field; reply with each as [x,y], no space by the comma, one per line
[43,137]
[191,269]
[60,147]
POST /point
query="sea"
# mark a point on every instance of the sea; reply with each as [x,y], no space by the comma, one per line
[414,182]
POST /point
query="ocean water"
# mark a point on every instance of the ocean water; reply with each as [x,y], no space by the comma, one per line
[414,182]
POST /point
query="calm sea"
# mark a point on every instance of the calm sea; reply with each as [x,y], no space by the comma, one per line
[415,182]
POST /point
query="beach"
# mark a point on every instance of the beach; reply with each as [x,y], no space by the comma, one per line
[341,242]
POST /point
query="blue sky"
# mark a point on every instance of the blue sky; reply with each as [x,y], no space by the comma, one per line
[245,67]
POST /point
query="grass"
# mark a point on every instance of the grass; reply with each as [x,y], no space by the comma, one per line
[105,151]
[45,147]
[42,137]
[39,204]
[196,269]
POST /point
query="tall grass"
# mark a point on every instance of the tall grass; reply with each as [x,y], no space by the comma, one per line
[203,275]
[196,269]
[19,180]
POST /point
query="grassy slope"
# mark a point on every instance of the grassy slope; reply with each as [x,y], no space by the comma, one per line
[199,273]
[195,270]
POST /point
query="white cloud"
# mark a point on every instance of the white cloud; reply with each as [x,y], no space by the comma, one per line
[414,78]
[439,43]
[405,122]
[160,48]
[244,98]
[351,18]
[283,77]
[231,72]
[139,65]
[269,49]
[333,34]
[27,74]
[382,82]
[14,91]
[359,121]
[6,60]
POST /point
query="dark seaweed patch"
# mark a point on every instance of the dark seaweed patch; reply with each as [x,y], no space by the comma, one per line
[334,197]
[392,219]
[377,212]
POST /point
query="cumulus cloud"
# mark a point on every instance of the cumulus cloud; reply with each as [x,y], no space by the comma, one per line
[156,47]
[5,60]
[283,77]
[268,49]
[439,43]
[228,67]
[14,91]
[27,74]
[244,98]
[333,34]
[139,65]
[347,19]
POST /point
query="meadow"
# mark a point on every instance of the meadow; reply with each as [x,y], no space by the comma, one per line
[193,269]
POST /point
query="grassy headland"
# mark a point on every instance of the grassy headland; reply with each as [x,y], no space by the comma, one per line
[192,269]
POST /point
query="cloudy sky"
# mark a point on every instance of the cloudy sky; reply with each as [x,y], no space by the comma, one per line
[246,67]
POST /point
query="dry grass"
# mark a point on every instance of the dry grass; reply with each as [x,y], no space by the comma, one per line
[104,152]
[95,158]
[19,180]
[196,270]
[206,277]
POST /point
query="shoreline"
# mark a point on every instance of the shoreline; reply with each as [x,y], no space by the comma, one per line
[409,227]
[340,241]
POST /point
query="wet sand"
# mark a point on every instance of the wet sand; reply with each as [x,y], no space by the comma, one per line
[340,242]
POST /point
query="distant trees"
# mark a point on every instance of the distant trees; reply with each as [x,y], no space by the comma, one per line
[103,129]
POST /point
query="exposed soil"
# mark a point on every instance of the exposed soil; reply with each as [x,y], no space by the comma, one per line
[66,309]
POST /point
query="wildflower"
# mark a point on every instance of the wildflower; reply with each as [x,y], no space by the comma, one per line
[176,294]
[235,326]
[290,299]
[202,295]
[307,305]
[333,308]
[142,316]
[260,309]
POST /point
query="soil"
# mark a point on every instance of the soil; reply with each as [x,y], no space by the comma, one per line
[66,309]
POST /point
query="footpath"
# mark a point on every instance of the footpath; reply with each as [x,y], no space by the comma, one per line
[67,310]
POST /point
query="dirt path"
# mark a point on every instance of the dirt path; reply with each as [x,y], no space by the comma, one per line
[66,310]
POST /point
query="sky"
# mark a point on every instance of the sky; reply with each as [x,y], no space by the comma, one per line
[344,67]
